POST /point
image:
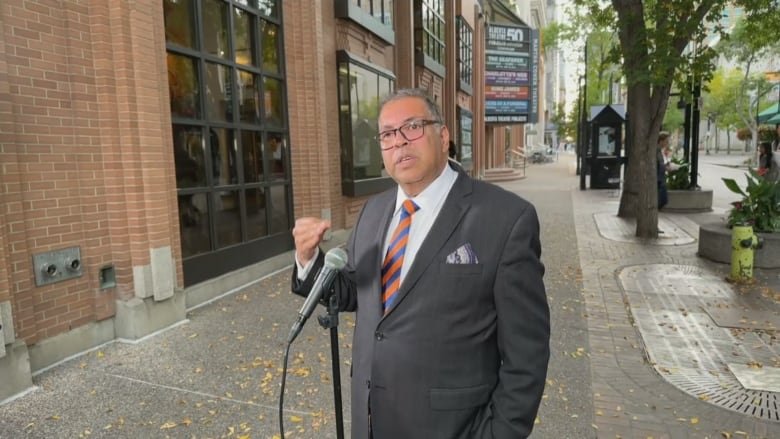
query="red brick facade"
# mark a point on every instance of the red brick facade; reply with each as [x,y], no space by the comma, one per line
[86,151]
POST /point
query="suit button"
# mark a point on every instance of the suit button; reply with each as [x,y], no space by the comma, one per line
[368,383]
[379,336]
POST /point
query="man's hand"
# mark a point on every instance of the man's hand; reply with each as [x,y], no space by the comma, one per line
[308,233]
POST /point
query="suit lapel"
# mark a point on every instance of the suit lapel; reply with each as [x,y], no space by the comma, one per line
[455,206]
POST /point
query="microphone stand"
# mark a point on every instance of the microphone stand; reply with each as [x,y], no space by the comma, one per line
[331,321]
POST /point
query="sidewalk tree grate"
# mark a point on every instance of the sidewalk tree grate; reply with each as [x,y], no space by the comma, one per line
[728,393]
[686,346]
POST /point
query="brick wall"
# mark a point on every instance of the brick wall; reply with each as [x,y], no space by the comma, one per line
[85,153]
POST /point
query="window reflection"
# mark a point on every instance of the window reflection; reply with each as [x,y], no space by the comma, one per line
[215,28]
[277,154]
[218,92]
[252,156]
[270,33]
[227,206]
[256,224]
[248,97]
[280,220]
[273,101]
[189,156]
[183,86]
[223,156]
[269,8]
[244,37]
[194,224]
[179,22]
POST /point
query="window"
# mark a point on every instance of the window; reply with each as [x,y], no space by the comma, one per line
[465,54]
[361,87]
[465,131]
[374,15]
[230,135]
[429,34]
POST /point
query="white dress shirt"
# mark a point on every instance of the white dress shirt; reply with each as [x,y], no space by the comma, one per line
[429,201]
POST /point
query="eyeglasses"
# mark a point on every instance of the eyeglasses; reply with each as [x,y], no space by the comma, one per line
[412,130]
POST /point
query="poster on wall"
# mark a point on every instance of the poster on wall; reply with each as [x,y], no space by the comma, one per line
[511,74]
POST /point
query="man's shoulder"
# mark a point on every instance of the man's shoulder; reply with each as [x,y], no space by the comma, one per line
[497,195]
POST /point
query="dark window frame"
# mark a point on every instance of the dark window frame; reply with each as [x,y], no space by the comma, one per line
[219,259]
[351,10]
[465,59]
[429,38]
[350,186]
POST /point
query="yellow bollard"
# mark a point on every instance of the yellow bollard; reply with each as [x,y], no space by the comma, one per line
[743,242]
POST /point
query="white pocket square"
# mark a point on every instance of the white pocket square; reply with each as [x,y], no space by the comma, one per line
[463,255]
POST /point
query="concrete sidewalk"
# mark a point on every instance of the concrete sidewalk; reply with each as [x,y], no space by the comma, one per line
[648,339]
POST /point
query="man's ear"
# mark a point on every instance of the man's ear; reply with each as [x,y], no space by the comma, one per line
[445,137]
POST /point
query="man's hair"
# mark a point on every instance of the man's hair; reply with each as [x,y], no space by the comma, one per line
[419,93]
[663,135]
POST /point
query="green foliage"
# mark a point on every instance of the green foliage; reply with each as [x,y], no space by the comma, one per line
[567,126]
[674,118]
[760,204]
[721,96]
[679,178]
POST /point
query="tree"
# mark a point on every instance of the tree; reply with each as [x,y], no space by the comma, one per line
[748,43]
[660,43]
[720,101]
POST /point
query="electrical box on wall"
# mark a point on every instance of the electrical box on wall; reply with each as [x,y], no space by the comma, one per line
[57,265]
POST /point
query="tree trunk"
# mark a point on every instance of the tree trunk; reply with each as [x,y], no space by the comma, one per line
[640,196]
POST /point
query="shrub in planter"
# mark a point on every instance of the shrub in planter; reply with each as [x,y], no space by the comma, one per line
[760,204]
[679,178]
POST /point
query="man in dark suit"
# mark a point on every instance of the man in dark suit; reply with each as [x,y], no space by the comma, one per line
[452,340]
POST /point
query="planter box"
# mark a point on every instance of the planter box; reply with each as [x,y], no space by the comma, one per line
[689,201]
[715,245]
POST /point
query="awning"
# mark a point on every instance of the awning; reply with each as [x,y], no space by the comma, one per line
[774,120]
[769,114]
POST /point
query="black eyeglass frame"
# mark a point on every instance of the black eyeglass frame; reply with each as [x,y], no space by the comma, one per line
[400,129]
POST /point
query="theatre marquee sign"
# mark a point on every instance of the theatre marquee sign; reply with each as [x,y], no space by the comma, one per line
[511,74]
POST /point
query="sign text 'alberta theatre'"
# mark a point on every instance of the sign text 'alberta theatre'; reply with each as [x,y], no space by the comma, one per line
[511,74]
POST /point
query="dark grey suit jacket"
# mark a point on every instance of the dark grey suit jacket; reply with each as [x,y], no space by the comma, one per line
[464,351]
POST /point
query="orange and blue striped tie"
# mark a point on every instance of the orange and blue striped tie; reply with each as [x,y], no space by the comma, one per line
[391,268]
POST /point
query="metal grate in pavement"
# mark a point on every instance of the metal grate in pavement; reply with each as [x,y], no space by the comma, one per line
[728,393]
[684,344]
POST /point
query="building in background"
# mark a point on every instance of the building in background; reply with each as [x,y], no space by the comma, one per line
[155,153]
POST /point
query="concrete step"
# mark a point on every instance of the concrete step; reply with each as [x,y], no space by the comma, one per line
[503,174]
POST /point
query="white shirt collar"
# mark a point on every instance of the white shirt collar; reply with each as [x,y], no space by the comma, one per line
[433,194]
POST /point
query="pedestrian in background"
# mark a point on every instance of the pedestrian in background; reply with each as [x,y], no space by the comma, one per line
[768,165]
[445,276]
[662,167]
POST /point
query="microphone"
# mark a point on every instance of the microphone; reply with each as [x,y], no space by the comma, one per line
[335,260]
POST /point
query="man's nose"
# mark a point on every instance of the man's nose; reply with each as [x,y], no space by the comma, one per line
[399,140]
